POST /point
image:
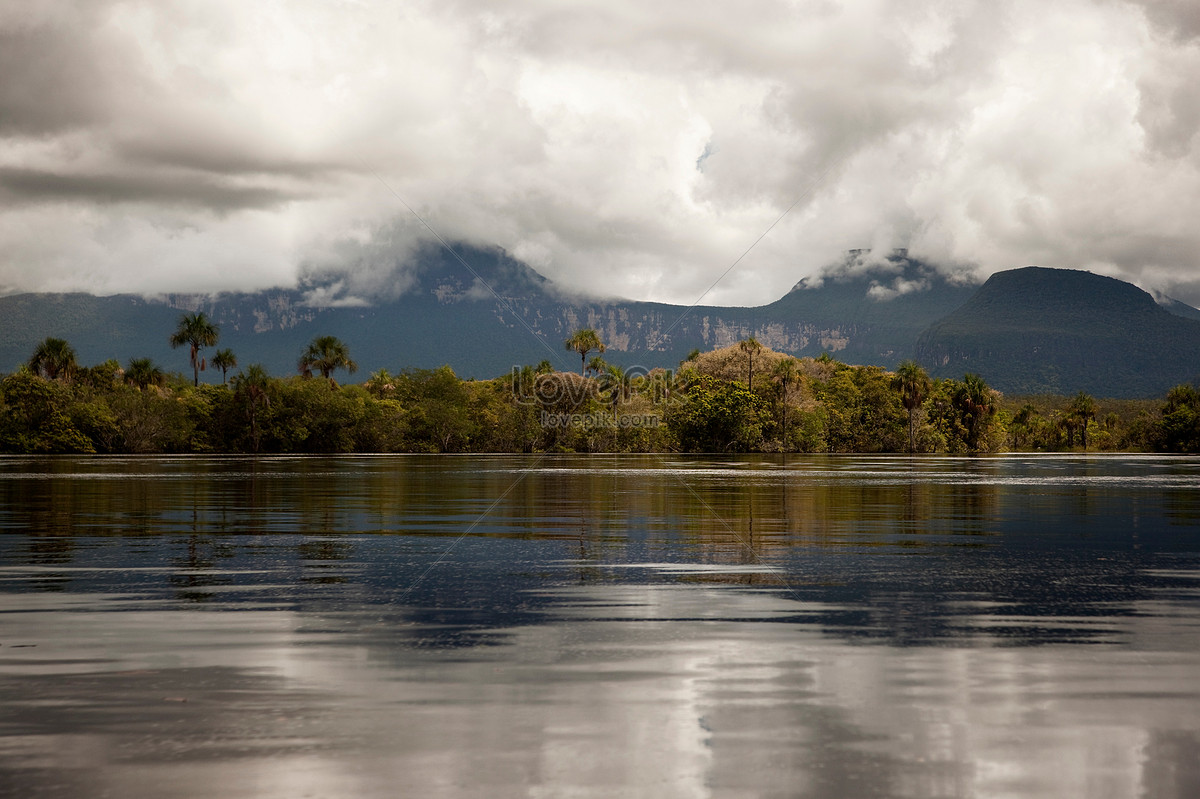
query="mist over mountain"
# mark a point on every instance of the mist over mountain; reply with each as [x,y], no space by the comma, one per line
[483,313]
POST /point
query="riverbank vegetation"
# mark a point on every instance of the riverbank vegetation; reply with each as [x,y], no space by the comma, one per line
[741,398]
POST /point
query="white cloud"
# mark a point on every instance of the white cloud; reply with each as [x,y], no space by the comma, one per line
[632,149]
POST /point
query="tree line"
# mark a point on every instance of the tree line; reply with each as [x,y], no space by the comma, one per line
[740,398]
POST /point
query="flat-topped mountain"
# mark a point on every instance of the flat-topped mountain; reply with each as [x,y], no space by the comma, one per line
[1038,330]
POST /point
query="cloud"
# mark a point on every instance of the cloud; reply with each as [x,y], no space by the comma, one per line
[628,149]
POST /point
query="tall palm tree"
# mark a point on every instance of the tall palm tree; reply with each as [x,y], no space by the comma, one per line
[198,332]
[143,372]
[750,346]
[914,384]
[583,342]
[785,373]
[53,359]
[326,354]
[224,360]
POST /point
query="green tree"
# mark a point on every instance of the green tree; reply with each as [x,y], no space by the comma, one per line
[143,372]
[785,374]
[35,417]
[326,354]
[381,384]
[616,383]
[103,376]
[1083,409]
[584,341]
[1178,429]
[862,411]
[53,359]
[250,388]
[597,366]
[963,414]
[750,346]
[439,407]
[718,416]
[1024,425]
[224,360]
[197,332]
[913,384]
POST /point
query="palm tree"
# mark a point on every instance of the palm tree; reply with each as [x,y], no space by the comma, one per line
[1083,408]
[143,372]
[618,381]
[583,342]
[224,360]
[785,373]
[913,384]
[198,332]
[381,384]
[750,346]
[326,354]
[251,388]
[977,402]
[53,359]
[597,365]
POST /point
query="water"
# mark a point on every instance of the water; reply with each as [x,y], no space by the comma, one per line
[600,626]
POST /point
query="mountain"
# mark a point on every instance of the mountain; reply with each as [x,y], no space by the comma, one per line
[486,313]
[1037,330]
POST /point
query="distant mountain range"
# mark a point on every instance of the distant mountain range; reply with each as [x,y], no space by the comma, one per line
[1026,331]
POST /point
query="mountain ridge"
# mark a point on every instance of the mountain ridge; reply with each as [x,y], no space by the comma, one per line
[485,313]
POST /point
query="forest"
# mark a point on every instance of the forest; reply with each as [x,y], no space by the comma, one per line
[740,398]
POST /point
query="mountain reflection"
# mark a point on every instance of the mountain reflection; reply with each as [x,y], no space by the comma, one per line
[908,550]
[597,626]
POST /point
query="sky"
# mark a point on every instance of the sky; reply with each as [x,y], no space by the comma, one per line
[628,149]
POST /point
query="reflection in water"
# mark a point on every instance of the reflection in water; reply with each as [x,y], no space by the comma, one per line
[594,626]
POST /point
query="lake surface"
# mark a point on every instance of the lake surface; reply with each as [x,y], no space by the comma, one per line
[553,626]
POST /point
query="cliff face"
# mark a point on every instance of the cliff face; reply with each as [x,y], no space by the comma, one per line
[1026,330]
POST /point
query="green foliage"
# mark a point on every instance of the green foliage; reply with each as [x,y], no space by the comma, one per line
[718,416]
[35,417]
[102,376]
[805,405]
[963,416]
[1179,428]
[438,406]
[862,411]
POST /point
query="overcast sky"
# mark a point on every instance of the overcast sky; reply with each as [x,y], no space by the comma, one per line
[634,148]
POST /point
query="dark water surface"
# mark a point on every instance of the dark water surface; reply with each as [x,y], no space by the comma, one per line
[600,626]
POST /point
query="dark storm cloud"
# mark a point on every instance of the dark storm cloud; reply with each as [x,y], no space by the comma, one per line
[54,79]
[1178,18]
[32,186]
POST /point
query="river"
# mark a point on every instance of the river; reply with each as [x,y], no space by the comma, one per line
[600,626]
